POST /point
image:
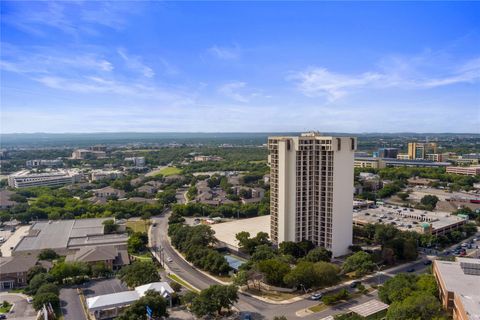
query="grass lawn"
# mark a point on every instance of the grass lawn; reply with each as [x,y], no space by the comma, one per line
[5,309]
[176,278]
[318,307]
[277,296]
[147,256]
[169,171]
[138,225]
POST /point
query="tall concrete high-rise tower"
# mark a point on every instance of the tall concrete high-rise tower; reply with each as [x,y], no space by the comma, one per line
[311,190]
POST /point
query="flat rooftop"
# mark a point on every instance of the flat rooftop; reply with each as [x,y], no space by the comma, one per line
[226,231]
[57,234]
[465,285]
[405,218]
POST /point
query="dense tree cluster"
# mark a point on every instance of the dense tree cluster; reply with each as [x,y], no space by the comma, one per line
[411,297]
[235,210]
[139,273]
[137,242]
[197,244]
[213,300]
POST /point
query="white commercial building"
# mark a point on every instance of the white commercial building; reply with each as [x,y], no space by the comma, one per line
[52,178]
[311,182]
[137,161]
[109,306]
[96,175]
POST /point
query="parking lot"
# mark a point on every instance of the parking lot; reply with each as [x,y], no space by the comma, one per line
[21,309]
[70,300]
[407,218]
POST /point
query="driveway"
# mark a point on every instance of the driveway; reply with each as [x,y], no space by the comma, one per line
[71,305]
[21,309]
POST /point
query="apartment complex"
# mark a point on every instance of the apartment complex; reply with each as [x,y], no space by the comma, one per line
[468,171]
[44,163]
[52,178]
[311,182]
[458,284]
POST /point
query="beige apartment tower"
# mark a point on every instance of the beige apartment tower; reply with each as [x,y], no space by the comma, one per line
[311,190]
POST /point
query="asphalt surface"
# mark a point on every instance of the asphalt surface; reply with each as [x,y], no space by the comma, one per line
[70,303]
[21,309]
[257,308]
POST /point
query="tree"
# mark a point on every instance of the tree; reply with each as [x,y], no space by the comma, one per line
[137,242]
[319,254]
[137,311]
[100,269]
[36,269]
[44,298]
[139,273]
[177,287]
[241,278]
[263,252]
[37,281]
[428,284]
[273,270]
[421,306]
[308,274]
[48,287]
[64,270]
[248,244]
[47,254]
[280,318]
[212,300]
[429,201]
[402,195]
[360,262]
[109,226]
[397,288]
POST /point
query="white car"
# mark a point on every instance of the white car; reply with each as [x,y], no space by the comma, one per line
[29,299]
[169,259]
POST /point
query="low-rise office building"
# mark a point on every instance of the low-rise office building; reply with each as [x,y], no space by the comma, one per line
[52,178]
[13,271]
[82,154]
[66,237]
[44,163]
[459,287]
[380,163]
[109,306]
[468,171]
[137,161]
[96,175]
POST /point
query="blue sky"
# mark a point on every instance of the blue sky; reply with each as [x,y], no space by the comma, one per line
[240,66]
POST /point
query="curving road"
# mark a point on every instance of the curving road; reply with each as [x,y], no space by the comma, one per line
[258,308]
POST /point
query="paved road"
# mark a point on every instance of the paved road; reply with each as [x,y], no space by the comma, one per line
[259,309]
[22,309]
[70,304]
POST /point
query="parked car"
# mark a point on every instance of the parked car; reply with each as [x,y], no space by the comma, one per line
[354,284]
[411,270]
[427,262]
[247,316]
[316,296]
[29,299]
[2,316]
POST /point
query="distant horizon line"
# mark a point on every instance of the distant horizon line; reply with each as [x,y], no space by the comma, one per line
[228,132]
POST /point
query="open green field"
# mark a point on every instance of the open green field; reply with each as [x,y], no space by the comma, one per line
[138,225]
[169,171]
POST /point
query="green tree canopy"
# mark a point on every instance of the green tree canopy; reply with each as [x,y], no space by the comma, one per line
[139,273]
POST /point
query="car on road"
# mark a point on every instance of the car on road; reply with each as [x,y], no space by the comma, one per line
[29,299]
[411,270]
[3,316]
[154,224]
[247,316]
[354,284]
[316,296]
[427,262]
[169,259]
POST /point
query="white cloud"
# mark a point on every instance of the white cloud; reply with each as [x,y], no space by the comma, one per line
[225,53]
[135,63]
[318,81]
[233,91]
